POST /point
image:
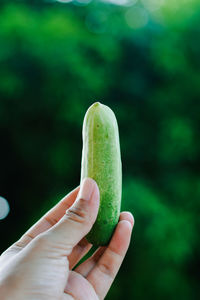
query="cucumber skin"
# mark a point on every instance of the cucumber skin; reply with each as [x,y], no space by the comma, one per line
[101,161]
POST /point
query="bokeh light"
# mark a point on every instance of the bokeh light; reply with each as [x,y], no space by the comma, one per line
[64,1]
[152,5]
[81,2]
[136,17]
[4,208]
[122,2]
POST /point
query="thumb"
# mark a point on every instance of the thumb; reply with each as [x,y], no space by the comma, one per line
[78,219]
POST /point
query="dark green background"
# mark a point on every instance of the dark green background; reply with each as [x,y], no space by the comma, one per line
[144,62]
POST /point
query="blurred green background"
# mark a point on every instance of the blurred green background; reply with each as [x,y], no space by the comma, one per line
[141,58]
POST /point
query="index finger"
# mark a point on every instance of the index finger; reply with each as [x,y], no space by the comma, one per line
[49,219]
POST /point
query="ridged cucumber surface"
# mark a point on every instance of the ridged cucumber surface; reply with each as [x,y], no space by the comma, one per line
[101,160]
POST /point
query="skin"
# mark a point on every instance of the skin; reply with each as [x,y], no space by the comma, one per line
[39,265]
[101,160]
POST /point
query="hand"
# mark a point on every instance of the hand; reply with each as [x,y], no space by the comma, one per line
[39,265]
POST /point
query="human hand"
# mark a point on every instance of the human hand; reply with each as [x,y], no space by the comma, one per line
[39,265]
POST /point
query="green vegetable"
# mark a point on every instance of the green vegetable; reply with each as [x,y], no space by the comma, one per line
[101,160]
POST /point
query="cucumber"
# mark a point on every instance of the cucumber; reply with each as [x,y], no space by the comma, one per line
[101,160]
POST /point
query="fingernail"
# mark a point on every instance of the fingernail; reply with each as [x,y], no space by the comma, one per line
[131,220]
[86,189]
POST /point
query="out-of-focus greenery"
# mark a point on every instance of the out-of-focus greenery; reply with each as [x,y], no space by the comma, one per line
[141,59]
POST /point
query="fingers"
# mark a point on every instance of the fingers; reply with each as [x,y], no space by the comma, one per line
[78,252]
[89,264]
[103,273]
[85,268]
[79,288]
[77,221]
[83,247]
[126,215]
[49,219]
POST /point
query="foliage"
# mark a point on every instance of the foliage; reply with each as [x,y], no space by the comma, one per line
[143,61]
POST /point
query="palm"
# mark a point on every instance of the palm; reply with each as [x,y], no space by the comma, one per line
[77,285]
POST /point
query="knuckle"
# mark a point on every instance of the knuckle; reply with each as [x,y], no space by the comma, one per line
[51,220]
[110,263]
[41,241]
[78,213]
[107,269]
